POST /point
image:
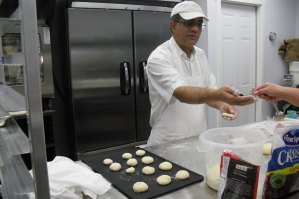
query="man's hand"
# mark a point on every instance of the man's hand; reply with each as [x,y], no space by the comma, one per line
[229,95]
[228,112]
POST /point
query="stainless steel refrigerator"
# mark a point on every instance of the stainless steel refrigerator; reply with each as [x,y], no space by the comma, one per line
[108,49]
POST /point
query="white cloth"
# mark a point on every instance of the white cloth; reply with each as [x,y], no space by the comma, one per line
[69,180]
[168,67]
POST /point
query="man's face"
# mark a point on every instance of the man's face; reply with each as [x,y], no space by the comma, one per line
[186,32]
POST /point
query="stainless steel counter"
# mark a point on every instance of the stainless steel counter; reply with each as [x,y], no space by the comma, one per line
[185,152]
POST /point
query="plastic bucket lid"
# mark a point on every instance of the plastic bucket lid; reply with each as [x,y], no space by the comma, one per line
[232,137]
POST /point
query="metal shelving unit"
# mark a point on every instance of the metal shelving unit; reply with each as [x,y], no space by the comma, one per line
[16,181]
[7,23]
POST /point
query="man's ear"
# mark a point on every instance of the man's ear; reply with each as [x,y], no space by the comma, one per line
[171,25]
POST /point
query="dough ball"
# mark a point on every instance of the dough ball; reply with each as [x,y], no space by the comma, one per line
[227,116]
[237,141]
[115,166]
[165,166]
[126,156]
[140,152]
[140,187]
[164,180]
[132,162]
[108,161]
[182,174]
[147,160]
[213,176]
[130,170]
[147,170]
[267,148]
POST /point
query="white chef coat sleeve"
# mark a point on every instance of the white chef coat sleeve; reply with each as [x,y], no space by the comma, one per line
[162,75]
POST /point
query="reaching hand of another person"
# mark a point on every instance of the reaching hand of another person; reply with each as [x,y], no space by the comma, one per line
[268,91]
[229,95]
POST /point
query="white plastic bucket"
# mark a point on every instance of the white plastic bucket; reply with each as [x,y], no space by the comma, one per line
[294,70]
[243,141]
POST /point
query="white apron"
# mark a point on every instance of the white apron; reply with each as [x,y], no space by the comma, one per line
[191,120]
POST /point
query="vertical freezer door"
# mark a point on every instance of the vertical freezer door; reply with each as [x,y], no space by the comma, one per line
[101,54]
[151,30]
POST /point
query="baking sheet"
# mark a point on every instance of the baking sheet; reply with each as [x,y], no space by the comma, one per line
[124,182]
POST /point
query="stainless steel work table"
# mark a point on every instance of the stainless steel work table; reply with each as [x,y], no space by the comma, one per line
[185,152]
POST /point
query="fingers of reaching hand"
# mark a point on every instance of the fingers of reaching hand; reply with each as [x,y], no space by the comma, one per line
[233,97]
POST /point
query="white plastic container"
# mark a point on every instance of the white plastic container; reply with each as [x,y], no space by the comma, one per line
[243,141]
[294,70]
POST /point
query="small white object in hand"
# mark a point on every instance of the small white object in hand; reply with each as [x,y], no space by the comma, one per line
[227,116]
[236,92]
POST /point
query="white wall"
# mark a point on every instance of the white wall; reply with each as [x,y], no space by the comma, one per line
[279,17]
[203,41]
[208,42]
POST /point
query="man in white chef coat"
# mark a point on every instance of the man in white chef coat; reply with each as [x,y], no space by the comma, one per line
[181,82]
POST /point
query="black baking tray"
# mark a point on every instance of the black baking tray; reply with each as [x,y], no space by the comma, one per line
[124,182]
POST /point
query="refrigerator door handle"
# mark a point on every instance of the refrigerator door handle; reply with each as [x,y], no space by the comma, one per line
[125,78]
[143,84]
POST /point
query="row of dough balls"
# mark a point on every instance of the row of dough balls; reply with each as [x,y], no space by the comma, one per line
[140,187]
[132,162]
[115,166]
[148,170]
[139,153]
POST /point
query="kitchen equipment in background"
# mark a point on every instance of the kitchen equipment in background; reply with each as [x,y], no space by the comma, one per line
[291,114]
[243,141]
[12,74]
[291,80]
[108,50]
[279,115]
[288,79]
[11,43]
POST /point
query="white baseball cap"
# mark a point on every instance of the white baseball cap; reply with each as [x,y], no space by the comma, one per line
[188,10]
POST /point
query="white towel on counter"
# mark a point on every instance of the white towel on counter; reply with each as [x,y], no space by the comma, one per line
[69,180]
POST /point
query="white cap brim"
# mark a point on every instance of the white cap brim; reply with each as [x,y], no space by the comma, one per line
[192,15]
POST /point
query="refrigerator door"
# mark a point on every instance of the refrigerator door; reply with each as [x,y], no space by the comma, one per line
[150,30]
[101,64]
